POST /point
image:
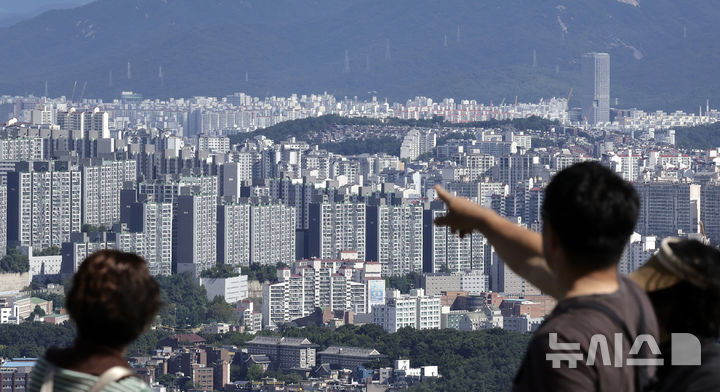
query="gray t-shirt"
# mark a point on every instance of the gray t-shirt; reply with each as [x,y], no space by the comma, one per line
[575,321]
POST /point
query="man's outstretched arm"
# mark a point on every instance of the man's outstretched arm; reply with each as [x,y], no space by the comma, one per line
[519,248]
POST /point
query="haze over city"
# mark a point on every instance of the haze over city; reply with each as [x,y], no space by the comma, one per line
[359,196]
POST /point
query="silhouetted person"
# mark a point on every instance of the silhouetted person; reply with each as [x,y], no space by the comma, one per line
[588,215]
[113,300]
[683,282]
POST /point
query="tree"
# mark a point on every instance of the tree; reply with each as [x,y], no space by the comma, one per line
[32,339]
[403,283]
[14,262]
[219,272]
[263,273]
[255,372]
[220,311]
[185,302]
[51,251]
[167,380]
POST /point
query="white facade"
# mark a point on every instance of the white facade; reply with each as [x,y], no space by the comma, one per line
[234,234]
[47,205]
[400,239]
[102,183]
[315,284]
[272,233]
[231,289]
[22,149]
[414,310]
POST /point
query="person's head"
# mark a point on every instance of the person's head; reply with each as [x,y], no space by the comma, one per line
[589,213]
[113,299]
[683,283]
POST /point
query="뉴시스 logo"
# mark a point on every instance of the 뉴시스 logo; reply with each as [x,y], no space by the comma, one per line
[685,351]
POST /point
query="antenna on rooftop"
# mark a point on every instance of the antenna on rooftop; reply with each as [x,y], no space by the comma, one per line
[161,76]
[387,49]
[46,89]
[347,62]
[129,71]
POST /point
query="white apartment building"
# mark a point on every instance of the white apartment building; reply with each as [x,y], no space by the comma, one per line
[272,233]
[234,234]
[44,204]
[416,143]
[22,149]
[101,183]
[414,310]
[666,207]
[196,232]
[85,122]
[445,249]
[235,173]
[335,227]
[213,144]
[395,238]
[312,284]
[154,241]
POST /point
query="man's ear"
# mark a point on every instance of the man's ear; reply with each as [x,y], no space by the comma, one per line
[552,241]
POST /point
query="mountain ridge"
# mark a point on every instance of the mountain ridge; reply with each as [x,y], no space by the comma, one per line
[664,55]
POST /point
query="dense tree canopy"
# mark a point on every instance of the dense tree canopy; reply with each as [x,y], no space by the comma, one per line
[262,272]
[220,271]
[701,136]
[32,339]
[14,262]
[403,283]
[220,311]
[370,145]
[184,301]
[51,251]
[468,361]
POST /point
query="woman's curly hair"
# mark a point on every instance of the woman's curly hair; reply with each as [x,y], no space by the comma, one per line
[113,298]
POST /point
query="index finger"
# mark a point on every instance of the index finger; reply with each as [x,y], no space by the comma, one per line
[443,194]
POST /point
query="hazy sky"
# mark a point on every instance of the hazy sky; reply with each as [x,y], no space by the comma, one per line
[24,6]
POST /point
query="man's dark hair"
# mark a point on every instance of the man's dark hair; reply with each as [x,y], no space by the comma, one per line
[593,211]
[113,298]
[685,307]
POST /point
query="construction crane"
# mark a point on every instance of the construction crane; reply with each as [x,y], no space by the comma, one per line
[72,97]
[82,93]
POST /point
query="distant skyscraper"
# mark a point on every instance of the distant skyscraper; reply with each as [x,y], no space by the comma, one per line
[595,87]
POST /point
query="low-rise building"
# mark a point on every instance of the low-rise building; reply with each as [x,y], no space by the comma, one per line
[347,357]
[284,353]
